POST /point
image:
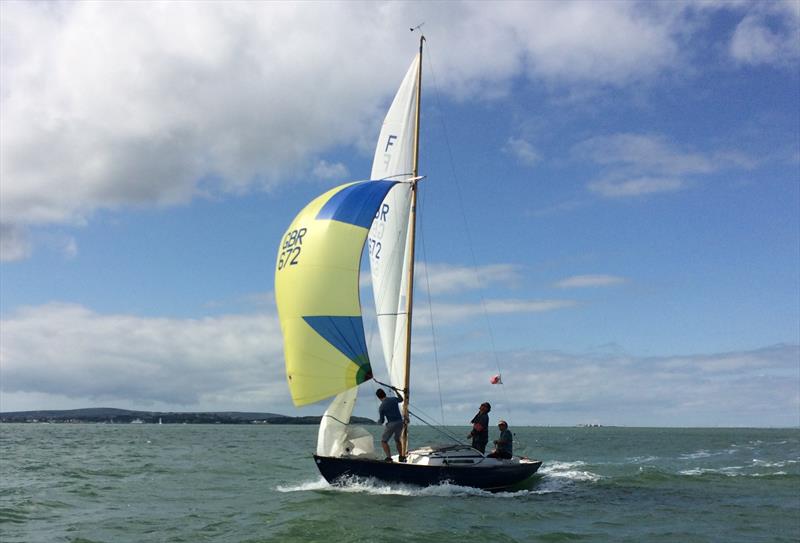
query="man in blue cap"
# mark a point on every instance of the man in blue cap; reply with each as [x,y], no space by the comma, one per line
[503,445]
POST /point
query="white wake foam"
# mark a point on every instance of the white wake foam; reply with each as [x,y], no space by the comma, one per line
[569,470]
[380,488]
[320,484]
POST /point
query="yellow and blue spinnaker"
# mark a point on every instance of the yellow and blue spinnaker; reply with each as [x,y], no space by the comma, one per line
[316,291]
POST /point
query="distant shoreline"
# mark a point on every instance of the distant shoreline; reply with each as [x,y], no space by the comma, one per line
[108,415]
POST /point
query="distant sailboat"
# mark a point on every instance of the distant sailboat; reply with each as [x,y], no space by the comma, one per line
[317,294]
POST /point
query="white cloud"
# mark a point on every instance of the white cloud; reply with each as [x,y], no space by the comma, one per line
[522,150]
[446,278]
[160,96]
[14,243]
[70,351]
[768,35]
[164,102]
[748,388]
[644,152]
[326,170]
[69,247]
[599,42]
[443,279]
[450,313]
[583,281]
[644,164]
[636,187]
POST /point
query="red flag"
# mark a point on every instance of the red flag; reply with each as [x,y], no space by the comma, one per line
[496,380]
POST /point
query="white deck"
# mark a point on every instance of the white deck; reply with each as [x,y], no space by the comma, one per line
[456,455]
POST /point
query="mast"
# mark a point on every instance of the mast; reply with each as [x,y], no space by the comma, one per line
[412,237]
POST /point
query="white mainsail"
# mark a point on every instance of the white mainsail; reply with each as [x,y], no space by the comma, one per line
[389,249]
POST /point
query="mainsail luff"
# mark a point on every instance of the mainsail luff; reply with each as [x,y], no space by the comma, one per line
[412,244]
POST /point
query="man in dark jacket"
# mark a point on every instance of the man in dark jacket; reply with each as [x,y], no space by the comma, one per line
[480,428]
[390,410]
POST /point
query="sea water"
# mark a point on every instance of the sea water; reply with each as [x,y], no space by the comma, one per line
[256,483]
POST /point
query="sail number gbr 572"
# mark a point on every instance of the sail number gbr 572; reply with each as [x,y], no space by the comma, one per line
[376,232]
[291,248]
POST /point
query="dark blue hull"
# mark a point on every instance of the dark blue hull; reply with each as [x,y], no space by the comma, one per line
[492,478]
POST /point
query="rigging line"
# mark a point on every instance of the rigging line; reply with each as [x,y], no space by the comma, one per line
[429,416]
[387,385]
[441,430]
[421,202]
[437,428]
[437,94]
[337,420]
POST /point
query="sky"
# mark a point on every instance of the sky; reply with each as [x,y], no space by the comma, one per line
[610,217]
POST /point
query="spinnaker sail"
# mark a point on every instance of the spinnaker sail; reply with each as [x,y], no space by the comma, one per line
[316,291]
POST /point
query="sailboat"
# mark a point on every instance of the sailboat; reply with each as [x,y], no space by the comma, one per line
[317,295]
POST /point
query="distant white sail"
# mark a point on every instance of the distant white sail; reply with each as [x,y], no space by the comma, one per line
[388,238]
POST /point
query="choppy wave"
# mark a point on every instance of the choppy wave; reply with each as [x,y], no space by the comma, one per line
[304,487]
[570,471]
[733,471]
[704,453]
[755,467]
[104,483]
[649,459]
[778,464]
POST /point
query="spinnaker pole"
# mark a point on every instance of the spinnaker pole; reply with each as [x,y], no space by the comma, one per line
[412,237]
